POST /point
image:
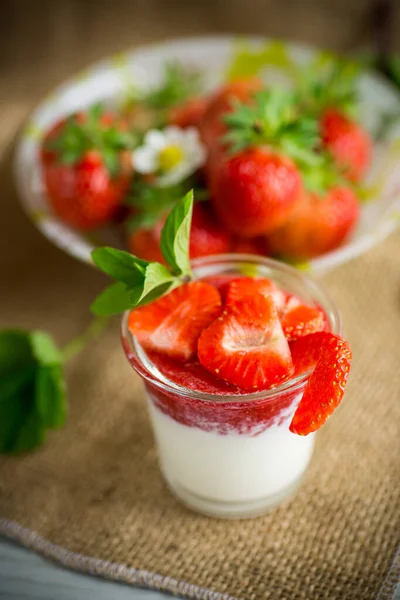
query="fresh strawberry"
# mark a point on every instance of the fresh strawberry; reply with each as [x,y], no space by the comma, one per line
[86,170]
[207,236]
[188,114]
[245,287]
[299,320]
[173,324]
[348,142]
[246,345]
[222,102]
[331,356]
[254,191]
[145,243]
[318,224]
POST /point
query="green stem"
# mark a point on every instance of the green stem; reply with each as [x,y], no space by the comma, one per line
[76,345]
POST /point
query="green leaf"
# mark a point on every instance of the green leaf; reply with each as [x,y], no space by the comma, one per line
[13,414]
[15,350]
[32,396]
[157,277]
[175,236]
[30,436]
[111,160]
[44,349]
[113,300]
[50,396]
[120,265]
[158,291]
[12,382]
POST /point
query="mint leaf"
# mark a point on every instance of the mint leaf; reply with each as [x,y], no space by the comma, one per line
[113,300]
[139,281]
[120,265]
[175,236]
[158,280]
[32,397]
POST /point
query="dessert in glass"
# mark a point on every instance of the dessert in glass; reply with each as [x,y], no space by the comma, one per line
[225,374]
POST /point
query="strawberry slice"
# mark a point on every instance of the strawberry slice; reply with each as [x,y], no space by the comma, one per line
[245,287]
[246,345]
[299,320]
[172,324]
[331,356]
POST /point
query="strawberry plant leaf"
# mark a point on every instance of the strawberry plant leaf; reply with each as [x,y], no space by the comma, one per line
[51,402]
[32,398]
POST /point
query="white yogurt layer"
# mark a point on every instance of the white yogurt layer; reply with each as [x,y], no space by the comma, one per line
[232,467]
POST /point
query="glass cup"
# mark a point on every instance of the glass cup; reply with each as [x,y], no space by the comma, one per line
[231,456]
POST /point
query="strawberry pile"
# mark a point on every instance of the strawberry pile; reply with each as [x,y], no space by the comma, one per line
[280,175]
[248,333]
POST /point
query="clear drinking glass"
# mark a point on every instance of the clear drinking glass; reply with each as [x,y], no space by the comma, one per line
[230,456]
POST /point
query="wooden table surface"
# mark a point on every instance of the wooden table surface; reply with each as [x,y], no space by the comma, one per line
[44,41]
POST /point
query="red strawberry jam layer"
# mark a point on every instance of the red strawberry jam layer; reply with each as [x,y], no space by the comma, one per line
[221,416]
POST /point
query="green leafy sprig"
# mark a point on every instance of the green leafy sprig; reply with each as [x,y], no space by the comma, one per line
[32,395]
[139,282]
[32,387]
[78,136]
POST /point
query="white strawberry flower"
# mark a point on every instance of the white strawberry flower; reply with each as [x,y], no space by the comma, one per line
[171,154]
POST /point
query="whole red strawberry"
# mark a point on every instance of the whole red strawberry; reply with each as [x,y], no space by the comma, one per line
[254,191]
[348,142]
[85,168]
[318,224]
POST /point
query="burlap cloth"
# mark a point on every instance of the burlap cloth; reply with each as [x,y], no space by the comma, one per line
[95,489]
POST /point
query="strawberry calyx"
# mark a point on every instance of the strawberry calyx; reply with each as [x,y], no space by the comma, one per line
[94,130]
[275,119]
[329,81]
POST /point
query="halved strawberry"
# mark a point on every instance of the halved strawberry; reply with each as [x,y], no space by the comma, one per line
[246,345]
[173,323]
[300,319]
[331,356]
[246,287]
